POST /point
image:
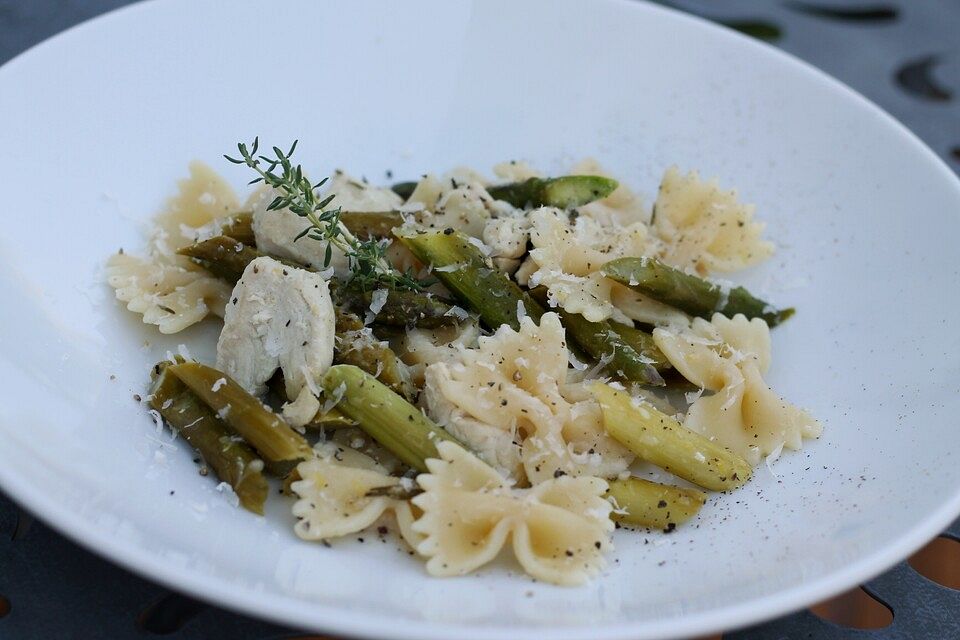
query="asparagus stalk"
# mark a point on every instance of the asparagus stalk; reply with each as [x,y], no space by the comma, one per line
[657,438]
[223,256]
[401,309]
[564,192]
[465,271]
[373,357]
[233,461]
[243,414]
[371,224]
[240,228]
[603,341]
[686,292]
[333,418]
[389,419]
[643,343]
[643,503]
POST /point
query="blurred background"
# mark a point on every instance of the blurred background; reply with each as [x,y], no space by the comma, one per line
[902,54]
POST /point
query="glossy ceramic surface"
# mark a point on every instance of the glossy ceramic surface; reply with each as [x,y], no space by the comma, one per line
[101,121]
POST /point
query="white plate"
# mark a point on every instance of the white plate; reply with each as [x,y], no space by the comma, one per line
[101,120]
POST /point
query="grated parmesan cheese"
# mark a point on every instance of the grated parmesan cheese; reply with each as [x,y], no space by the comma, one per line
[377,300]
[457,312]
[228,494]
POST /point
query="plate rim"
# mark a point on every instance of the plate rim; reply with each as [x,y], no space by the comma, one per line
[325,618]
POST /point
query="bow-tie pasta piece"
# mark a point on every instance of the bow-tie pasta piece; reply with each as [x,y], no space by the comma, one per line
[559,529]
[705,228]
[167,292]
[343,491]
[202,206]
[503,399]
[567,257]
[496,441]
[428,346]
[729,357]
[419,348]
[167,289]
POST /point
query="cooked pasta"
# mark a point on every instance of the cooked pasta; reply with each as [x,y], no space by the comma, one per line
[169,290]
[704,227]
[558,529]
[504,400]
[729,357]
[466,360]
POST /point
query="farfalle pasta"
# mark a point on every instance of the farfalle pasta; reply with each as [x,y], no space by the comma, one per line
[484,363]
[558,529]
[166,289]
[729,357]
[504,399]
[705,228]
[566,258]
[343,491]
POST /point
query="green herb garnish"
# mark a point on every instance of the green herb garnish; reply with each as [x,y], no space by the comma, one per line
[369,268]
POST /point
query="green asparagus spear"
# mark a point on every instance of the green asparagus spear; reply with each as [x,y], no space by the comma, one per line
[464,270]
[245,415]
[602,341]
[374,357]
[686,292]
[654,505]
[564,192]
[223,256]
[332,418]
[389,419]
[371,224]
[240,228]
[656,437]
[401,309]
[642,342]
[232,460]
[404,189]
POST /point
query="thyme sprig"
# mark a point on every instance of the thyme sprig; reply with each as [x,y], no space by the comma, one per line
[369,268]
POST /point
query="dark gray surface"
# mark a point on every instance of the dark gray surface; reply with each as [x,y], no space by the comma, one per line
[904,55]
[878,47]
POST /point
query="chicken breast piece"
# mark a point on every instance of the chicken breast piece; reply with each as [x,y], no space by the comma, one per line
[278,317]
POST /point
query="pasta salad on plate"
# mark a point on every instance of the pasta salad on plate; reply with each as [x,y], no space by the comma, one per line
[480,364]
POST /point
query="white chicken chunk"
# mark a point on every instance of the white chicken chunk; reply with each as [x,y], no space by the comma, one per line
[275,230]
[506,238]
[278,317]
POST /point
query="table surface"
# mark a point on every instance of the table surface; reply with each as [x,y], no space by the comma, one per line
[902,54]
